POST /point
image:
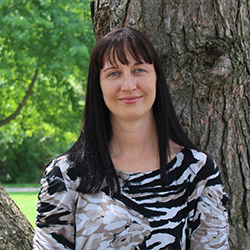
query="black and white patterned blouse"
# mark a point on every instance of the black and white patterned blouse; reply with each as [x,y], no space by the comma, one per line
[188,214]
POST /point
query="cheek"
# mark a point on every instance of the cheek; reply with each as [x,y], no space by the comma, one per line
[108,93]
[150,87]
[153,92]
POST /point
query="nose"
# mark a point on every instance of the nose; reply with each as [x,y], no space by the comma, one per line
[128,83]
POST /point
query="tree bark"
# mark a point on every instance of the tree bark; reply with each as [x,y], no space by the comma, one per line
[15,230]
[205,50]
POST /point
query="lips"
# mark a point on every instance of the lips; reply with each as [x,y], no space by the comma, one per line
[130,99]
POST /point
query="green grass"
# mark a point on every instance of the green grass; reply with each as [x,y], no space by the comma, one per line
[27,202]
[20,185]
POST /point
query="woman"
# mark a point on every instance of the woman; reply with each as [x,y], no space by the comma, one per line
[133,180]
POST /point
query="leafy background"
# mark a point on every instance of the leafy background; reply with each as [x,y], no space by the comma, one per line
[48,43]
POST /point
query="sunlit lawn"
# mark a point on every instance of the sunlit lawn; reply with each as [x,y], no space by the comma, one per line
[20,185]
[26,201]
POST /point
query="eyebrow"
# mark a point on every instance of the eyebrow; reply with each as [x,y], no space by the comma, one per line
[115,67]
[112,67]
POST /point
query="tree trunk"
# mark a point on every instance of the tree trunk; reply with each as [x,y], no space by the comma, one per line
[15,230]
[205,51]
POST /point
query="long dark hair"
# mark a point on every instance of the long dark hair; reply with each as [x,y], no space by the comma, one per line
[90,154]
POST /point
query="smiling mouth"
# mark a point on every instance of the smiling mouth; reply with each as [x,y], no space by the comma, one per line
[130,99]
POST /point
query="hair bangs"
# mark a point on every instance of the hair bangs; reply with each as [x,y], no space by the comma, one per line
[120,45]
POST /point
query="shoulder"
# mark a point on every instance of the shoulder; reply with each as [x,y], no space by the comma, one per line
[194,156]
[60,173]
[200,163]
[58,167]
[204,177]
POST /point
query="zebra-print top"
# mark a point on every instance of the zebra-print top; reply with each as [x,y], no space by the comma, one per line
[188,214]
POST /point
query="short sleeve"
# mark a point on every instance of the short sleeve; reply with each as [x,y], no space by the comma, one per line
[210,228]
[55,219]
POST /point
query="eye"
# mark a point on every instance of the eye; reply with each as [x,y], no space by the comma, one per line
[112,74]
[140,70]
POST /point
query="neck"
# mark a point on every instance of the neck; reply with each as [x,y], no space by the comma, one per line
[134,145]
[133,137]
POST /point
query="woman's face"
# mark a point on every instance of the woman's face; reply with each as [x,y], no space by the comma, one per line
[128,90]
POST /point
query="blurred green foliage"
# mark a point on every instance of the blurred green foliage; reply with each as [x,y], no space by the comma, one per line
[54,38]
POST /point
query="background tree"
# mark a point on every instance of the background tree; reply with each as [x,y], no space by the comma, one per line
[205,50]
[15,230]
[44,55]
